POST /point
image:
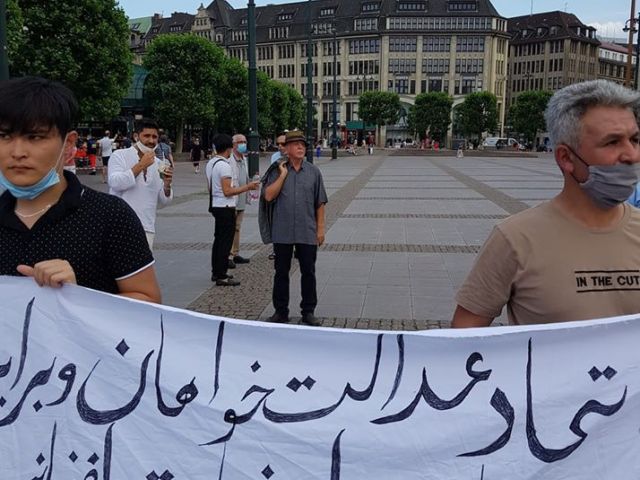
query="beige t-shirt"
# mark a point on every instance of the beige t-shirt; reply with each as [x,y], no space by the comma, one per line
[546,267]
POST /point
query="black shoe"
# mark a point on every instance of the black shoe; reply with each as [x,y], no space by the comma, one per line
[226,277]
[310,319]
[232,264]
[227,282]
[238,260]
[272,256]
[279,318]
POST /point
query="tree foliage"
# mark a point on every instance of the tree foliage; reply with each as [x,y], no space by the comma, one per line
[81,43]
[431,113]
[232,97]
[184,73]
[478,113]
[297,109]
[265,94]
[527,113]
[379,108]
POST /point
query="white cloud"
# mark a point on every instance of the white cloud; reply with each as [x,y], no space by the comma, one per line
[609,29]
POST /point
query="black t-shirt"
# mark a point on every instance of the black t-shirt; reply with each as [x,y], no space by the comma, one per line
[98,234]
[196,153]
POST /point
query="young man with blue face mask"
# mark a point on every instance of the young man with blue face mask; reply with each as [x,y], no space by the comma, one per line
[52,228]
[577,256]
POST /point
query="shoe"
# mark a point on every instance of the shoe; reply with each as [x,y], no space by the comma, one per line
[279,318]
[214,278]
[272,256]
[310,319]
[232,264]
[238,260]
[92,172]
[227,282]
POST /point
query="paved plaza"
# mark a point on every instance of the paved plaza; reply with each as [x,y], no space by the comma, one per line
[402,233]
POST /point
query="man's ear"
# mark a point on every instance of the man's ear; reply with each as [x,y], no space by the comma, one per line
[563,154]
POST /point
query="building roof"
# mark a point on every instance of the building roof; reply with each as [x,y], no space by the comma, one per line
[549,25]
[614,47]
[140,25]
[178,22]
[345,11]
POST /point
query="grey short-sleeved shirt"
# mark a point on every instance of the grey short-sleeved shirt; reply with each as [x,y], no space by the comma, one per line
[294,210]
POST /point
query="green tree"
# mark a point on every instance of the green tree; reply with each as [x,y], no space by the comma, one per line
[379,108]
[297,109]
[478,113]
[265,94]
[184,73]
[81,43]
[232,97]
[527,113]
[280,113]
[431,113]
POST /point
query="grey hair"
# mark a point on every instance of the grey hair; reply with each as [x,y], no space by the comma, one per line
[567,107]
[237,137]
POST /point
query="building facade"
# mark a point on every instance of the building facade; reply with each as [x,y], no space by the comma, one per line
[613,62]
[405,46]
[549,51]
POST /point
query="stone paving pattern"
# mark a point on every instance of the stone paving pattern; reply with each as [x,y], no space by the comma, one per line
[402,233]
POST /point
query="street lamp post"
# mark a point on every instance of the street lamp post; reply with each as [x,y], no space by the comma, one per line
[334,139]
[4,56]
[309,88]
[632,28]
[253,137]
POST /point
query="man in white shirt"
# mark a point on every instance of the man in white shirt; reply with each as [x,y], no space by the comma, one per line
[281,148]
[140,179]
[105,145]
[222,182]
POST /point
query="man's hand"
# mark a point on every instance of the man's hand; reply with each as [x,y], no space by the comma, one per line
[147,159]
[253,185]
[282,168]
[320,237]
[50,273]
[167,177]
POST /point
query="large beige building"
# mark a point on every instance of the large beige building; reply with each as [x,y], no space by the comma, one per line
[404,46]
[549,51]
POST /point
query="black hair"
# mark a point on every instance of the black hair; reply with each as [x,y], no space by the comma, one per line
[222,142]
[29,103]
[147,123]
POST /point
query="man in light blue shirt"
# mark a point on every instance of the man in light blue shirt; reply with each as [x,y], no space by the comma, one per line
[281,150]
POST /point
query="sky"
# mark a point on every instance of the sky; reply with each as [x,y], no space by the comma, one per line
[608,16]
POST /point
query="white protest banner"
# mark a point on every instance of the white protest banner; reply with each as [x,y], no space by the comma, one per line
[94,386]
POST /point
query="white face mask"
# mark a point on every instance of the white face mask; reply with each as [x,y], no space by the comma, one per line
[143,148]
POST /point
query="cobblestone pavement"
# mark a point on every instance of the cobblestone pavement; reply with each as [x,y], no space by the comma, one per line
[402,233]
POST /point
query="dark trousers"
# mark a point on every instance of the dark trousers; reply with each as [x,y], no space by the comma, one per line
[306,255]
[225,229]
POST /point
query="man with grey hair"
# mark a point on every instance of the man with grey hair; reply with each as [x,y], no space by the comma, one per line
[238,163]
[577,256]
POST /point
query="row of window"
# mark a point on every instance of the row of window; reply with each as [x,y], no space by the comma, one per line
[440,23]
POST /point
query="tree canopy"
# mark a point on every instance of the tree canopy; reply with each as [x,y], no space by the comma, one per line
[379,108]
[527,113]
[81,43]
[478,114]
[184,74]
[431,113]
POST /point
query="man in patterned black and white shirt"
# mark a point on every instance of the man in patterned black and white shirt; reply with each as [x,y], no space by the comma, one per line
[53,228]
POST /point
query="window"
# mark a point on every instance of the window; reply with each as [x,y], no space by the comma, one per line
[286,51]
[364,67]
[327,69]
[286,71]
[327,89]
[462,6]
[370,45]
[412,6]
[440,23]
[436,44]
[322,28]
[403,44]
[303,70]
[284,17]
[402,65]
[327,12]
[265,53]
[365,24]
[327,48]
[469,65]
[175,28]
[470,44]
[435,65]
[370,7]
[303,50]
[276,33]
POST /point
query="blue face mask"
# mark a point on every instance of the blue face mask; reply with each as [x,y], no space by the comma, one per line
[33,191]
[242,148]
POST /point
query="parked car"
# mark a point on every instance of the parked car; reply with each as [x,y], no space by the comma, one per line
[500,142]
